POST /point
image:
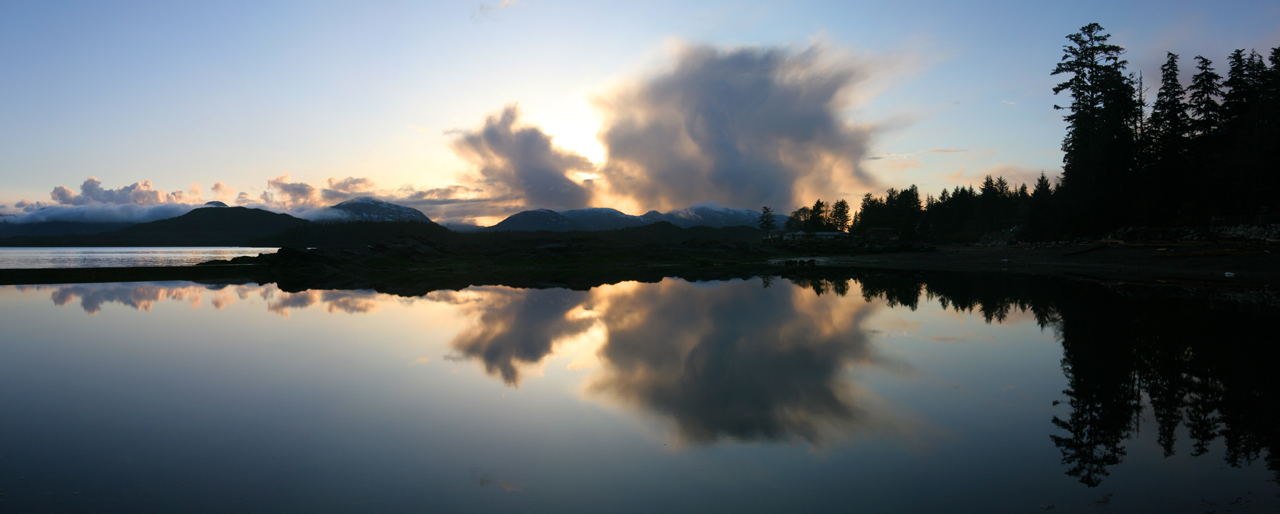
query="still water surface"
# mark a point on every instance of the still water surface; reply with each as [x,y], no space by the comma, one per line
[130,257]
[764,395]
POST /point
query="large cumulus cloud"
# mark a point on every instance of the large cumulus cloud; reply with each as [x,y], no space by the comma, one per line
[740,127]
[523,162]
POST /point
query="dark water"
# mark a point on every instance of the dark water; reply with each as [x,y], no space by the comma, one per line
[889,393]
[132,257]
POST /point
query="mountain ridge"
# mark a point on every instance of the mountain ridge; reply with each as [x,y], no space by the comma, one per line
[605,218]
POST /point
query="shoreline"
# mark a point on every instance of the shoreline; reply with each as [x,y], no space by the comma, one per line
[1160,264]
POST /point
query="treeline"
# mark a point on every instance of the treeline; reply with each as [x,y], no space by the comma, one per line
[960,214]
[1209,149]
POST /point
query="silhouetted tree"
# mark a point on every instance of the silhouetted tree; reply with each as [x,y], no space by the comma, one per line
[1170,128]
[798,220]
[840,215]
[1203,95]
[767,223]
[818,217]
[1041,220]
[1099,146]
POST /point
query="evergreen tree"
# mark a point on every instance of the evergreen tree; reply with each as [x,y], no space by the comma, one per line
[818,217]
[1166,166]
[1040,220]
[1169,121]
[767,223]
[840,215]
[1099,146]
[1243,81]
[1204,92]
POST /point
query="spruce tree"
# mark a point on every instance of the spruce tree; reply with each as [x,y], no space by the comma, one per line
[767,223]
[840,215]
[1099,147]
[1203,95]
[1167,168]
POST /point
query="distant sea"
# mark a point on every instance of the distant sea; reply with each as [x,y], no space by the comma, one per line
[28,258]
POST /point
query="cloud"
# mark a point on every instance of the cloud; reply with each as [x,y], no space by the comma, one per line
[138,202]
[104,213]
[291,195]
[522,162]
[484,7]
[744,126]
[222,191]
[345,189]
[141,297]
[517,327]
[91,191]
[737,361]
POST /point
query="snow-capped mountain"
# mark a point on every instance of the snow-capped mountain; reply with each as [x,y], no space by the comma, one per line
[370,209]
[712,215]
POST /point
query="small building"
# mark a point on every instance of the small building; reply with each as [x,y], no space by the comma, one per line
[882,234]
[791,236]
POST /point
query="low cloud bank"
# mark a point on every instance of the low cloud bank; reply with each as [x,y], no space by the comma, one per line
[141,202]
[106,213]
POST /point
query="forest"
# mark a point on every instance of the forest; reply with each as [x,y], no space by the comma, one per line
[1194,155]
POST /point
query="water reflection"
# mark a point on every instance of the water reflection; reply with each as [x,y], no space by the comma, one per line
[144,296]
[1198,360]
[764,360]
[736,361]
[519,326]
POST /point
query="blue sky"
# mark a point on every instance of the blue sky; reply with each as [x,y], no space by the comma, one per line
[239,93]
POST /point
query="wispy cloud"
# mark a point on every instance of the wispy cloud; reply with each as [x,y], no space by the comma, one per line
[486,7]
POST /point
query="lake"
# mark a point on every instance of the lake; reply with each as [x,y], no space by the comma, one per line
[883,393]
[131,257]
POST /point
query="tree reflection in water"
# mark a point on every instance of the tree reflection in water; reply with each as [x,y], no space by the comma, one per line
[1201,360]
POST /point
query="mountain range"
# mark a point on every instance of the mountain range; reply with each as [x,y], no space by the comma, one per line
[602,218]
[355,222]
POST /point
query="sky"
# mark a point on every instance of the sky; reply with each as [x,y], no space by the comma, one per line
[471,111]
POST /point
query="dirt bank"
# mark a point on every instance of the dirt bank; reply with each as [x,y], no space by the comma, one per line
[1221,265]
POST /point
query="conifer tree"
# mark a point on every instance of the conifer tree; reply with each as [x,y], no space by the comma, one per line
[767,223]
[1203,95]
[1169,121]
[1099,147]
[840,215]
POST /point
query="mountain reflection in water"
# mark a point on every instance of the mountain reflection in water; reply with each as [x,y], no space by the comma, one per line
[744,361]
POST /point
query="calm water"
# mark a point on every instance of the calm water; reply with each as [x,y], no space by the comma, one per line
[31,258]
[883,394]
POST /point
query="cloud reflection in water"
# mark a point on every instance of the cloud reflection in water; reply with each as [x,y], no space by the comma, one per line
[730,360]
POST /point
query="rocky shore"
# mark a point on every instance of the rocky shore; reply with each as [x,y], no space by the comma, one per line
[410,264]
